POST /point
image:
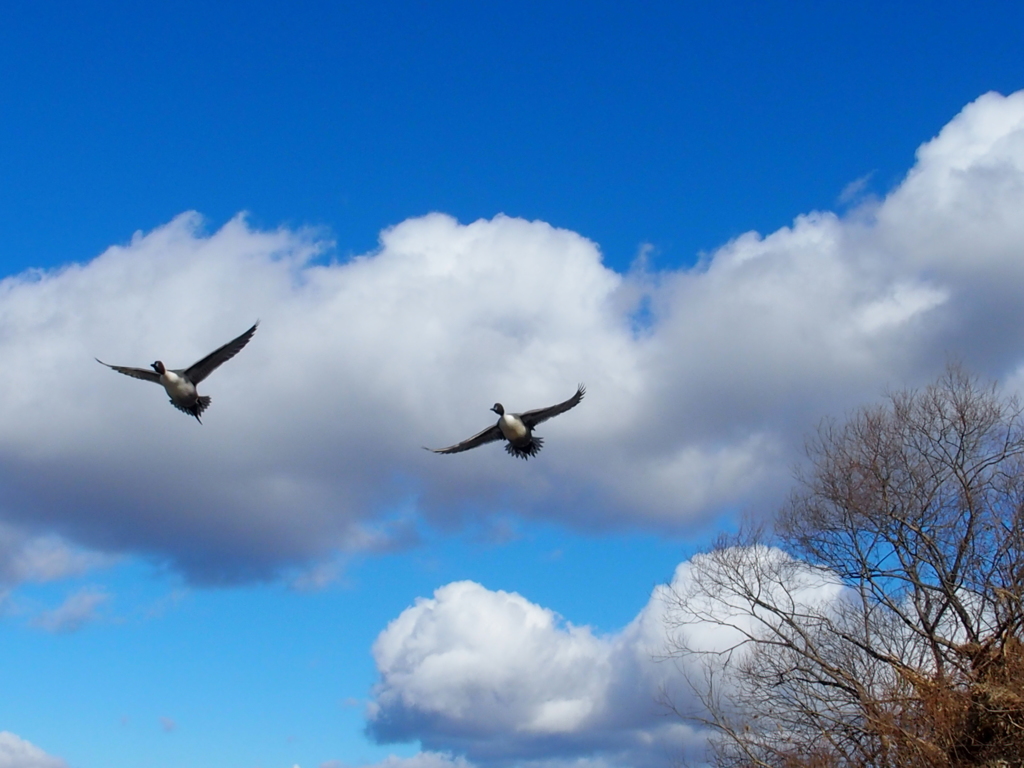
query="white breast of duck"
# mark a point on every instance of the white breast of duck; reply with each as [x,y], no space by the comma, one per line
[178,387]
[512,427]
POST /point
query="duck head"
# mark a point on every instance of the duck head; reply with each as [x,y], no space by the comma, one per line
[498,409]
[159,368]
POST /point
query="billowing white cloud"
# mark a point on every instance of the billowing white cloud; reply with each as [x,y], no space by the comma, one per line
[503,681]
[701,382]
[15,752]
[500,679]
[76,611]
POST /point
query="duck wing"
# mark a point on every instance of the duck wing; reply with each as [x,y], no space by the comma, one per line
[139,373]
[532,418]
[489,435]
[200,369]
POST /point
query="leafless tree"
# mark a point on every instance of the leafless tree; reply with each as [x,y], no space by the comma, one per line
[881,621]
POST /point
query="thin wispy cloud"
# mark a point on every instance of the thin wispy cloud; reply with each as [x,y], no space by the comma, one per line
[41,558]
[75,612]
[421,760]
[854,191]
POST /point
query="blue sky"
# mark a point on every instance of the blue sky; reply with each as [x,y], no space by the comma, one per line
[681,126]
[431,207]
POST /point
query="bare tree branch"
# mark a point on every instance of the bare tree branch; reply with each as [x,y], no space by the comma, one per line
[881,623]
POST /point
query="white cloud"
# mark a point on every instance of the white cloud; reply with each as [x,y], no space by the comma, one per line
[75,612]
[498,678]
[15,752]
[503,681]
[462,631]
[312,444]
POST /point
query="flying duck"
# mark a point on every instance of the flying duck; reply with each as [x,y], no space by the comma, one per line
[180,384]
[517,428]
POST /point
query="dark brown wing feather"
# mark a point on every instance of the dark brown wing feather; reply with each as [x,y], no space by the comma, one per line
[532,418]
[489,435]
[139,373]
[203,368]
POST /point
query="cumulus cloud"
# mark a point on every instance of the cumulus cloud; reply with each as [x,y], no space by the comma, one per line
[503,681]
[16,752]
[701,381]
[497,678]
